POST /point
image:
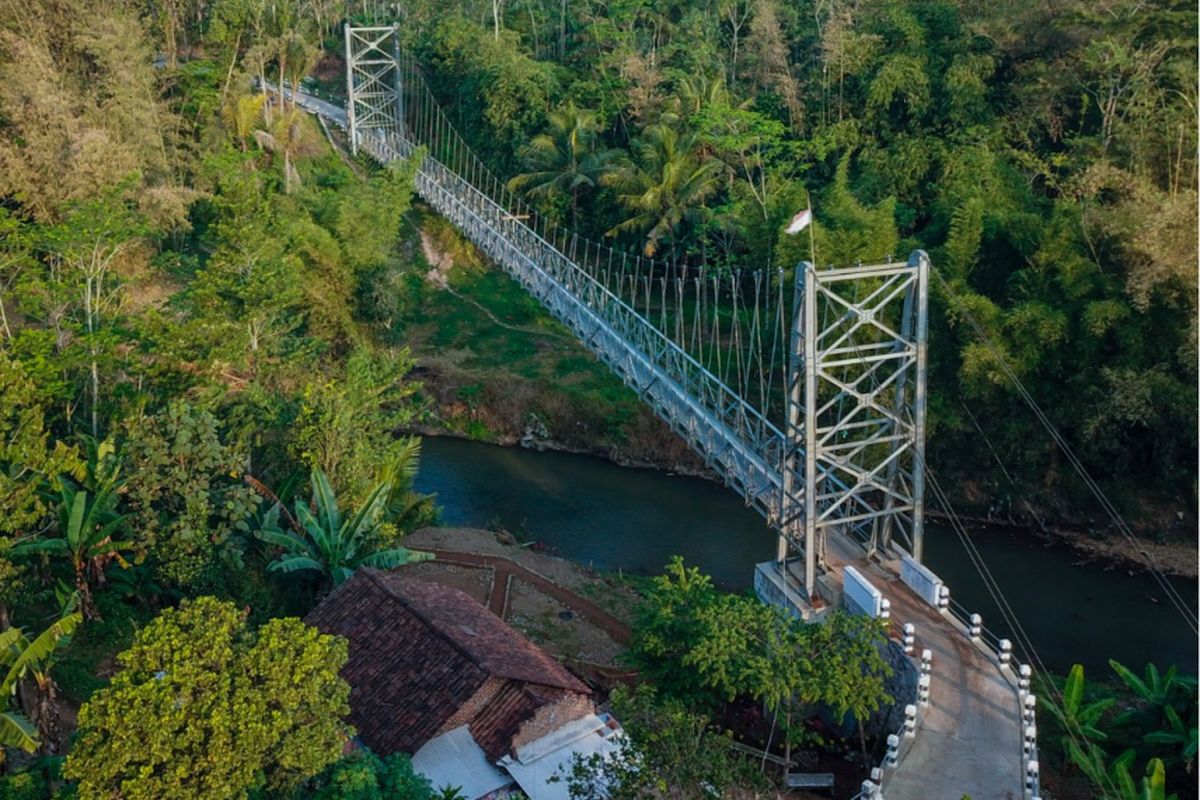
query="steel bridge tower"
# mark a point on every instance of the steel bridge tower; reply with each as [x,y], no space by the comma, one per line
[855,435]
[374,83]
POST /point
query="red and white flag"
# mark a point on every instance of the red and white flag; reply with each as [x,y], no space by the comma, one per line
[800,222]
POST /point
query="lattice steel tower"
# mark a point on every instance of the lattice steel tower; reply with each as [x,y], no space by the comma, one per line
[374,87]
[856,409]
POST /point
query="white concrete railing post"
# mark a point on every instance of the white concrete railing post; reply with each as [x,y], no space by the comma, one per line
[1029,714]
[976,627]
[885,609]
[893,750]
[944,598]
[1005,653]
[1024,676]
[910,721]
[1030,743]
[910,638]
[1031,778]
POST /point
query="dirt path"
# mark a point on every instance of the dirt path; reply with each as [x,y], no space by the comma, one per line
[505,570]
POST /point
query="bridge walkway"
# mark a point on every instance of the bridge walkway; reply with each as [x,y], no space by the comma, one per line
[969,739]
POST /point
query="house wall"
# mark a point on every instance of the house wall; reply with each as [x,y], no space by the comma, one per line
[553,716]
[474,704]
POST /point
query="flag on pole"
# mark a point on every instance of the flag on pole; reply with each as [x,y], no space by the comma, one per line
[800,222]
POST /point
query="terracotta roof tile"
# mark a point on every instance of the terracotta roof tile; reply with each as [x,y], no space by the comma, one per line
[419,651]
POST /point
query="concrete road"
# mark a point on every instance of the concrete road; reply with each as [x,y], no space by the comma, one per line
[969,738]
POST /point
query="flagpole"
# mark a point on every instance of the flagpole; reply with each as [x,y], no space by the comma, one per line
[812,230]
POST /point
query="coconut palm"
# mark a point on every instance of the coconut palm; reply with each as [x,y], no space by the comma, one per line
[665,185]
[87,529]
[242,115]
[333,546]
[286,138]
[564,160]
[21,657]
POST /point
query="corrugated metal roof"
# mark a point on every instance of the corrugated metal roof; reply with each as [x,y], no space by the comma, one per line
[554,754]
[454,759]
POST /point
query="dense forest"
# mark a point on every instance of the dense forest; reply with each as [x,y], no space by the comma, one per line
[206,305]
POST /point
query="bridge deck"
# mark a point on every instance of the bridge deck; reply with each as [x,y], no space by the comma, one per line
[969,742]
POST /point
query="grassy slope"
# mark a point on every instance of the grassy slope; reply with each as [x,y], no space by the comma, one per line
[497,366]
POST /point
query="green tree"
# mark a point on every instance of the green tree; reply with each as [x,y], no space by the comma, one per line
[206,707]
[668,751]
[362,775]
[369,217]
[565,159]
[28,460]
[347,424]
[332,546]
[88,530]
[186,500]
[665,186]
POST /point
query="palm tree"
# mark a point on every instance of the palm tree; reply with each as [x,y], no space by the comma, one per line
[565,159]
[242,115]
[21,657]
[285,138]
[665,186]
[332,546]
[87,526]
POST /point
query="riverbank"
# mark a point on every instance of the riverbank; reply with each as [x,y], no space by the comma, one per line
[610,519]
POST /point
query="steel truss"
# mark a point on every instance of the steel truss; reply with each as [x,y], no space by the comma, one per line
[374,84]
[856,409]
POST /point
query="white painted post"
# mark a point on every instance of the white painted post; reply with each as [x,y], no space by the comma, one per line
[868,790]
[1005,653]
[1030,706]
[1030,739]
[893,750]
[944,599]
[910,721]
[926,661]
[1031,776]
[923,689]
[910,638]
[1025,674]
[877,776]
[976,627]
[885,609]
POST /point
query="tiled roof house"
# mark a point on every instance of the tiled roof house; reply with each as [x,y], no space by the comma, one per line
[427,660]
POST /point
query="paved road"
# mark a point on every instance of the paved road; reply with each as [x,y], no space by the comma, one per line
[331,112]
[969,740]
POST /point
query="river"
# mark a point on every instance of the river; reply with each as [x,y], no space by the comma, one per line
[600,514]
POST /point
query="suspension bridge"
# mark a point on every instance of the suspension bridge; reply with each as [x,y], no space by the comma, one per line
[802,387]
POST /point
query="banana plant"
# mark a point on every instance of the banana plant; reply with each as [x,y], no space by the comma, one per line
[87,537]
[1167,692]
[21,657]
[1078,720]
[1115,780]
[1155,688]
[330,545]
